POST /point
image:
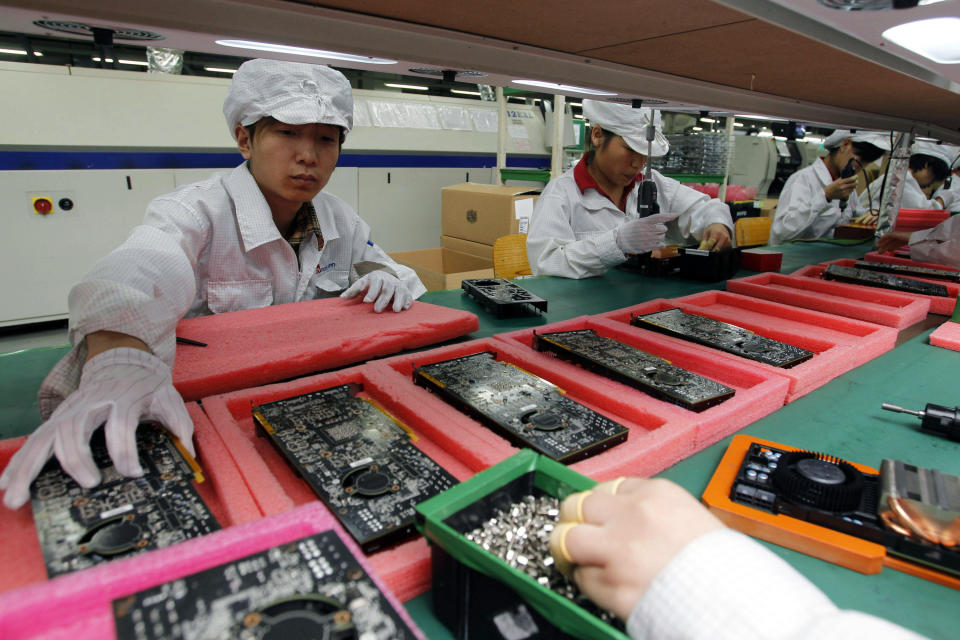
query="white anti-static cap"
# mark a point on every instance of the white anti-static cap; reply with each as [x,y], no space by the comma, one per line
[941,151]
[630,123]
[291,92]
[876,138]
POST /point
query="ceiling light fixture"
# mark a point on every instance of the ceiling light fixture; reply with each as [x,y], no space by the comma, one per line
[302,51]
[705,117]
[219,70]
[563,87]
[414,87]
[464,92]
[934,38]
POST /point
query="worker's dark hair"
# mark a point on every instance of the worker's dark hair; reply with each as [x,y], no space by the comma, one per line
[588,142]
[252,128]
[919,161]
[865,151]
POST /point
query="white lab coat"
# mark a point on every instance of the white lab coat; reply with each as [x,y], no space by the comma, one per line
[951,196]
[911,198]
[941,244]
[803,210]
[211,247]
[572,234]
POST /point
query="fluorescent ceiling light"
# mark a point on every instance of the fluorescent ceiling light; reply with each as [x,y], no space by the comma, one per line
[219,70]
[99,60]
[14,52]
[139,63]
[575,104]
[302,51]
[737,124]
[415,87]
[765,134]
[577,116]
[708,120]
[464,92]
[752,116]
[563,87]
[935,38]
[698,128]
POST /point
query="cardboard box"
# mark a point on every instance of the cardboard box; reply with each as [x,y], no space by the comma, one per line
[441,269]
[768,207]
[465,246]
[482,213]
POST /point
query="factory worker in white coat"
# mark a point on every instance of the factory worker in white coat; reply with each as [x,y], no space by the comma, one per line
[949,191]
[940,245]
[260,235]
[586,221]
[929,167]
[816,199]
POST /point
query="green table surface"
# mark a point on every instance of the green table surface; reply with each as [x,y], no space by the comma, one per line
[842,418]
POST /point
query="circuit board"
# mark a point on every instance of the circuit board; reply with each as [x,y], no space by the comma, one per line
[501,297]
[357,459]
[523,408]
[80,528]
[310,588]
[723,336]
[883,281]
[631,366]
[909,270]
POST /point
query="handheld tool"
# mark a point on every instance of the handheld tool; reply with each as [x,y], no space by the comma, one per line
[943,421]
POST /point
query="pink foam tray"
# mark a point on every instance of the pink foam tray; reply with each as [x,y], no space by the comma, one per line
[275,485]
[880,306]
[659,434]
[938,304]
[758,392]
[875,256]
[947,336]
[78,606]
[223,491]
[839,344]
[259,346]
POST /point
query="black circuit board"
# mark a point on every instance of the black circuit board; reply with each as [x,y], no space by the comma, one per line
[310,588]
[764,483]
[80,528]
[503,298]
[638,369]
[357,459]
[523,408]
[909,270]
[723,336]
[883,281]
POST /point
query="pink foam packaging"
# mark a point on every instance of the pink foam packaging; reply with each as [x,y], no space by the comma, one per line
[275,485]
[223,491]
[78,606]
[758,392]
[947,336]
[880,306]
[938,304]
[875,256]
[258,346]
[839,344]
[660,434]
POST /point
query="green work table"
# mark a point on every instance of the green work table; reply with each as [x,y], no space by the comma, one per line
[842,418]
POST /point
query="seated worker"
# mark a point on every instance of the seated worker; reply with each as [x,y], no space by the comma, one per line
[585,221]
[940,245]
[816,198]
[949,192]
[259,235]
[647,551]
[929,168]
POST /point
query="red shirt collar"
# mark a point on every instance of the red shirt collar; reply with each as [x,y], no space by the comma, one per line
[584,180]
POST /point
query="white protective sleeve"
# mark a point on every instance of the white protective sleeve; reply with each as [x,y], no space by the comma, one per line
[941,244]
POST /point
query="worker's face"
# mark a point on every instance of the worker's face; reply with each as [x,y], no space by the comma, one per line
[290,162]
[924,177]
[616,160]
[846,154]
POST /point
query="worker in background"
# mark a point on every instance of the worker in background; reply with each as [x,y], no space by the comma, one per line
[586,220]
[817,198]
[940,245]
[647,551]
[260,235]
[929,168]
[949,191]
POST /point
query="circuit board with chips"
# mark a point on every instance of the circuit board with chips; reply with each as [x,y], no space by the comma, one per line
[357,459]
[909,270]
[723,336]
[310,588]
[883,281]
[525,409]
[631,366]
[80,528]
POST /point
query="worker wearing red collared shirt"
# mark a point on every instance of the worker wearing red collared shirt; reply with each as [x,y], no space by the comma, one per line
[585,221]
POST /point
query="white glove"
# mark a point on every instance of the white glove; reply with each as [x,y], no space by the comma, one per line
[641,235]
[121,386]
[382,287]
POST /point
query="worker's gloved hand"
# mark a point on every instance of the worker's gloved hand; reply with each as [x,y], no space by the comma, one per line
[121,387]
[641,235]
[840,189]
[381,288]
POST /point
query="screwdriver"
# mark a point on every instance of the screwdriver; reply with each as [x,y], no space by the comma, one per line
[943,421]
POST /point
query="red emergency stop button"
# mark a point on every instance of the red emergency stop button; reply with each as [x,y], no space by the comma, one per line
[43,206]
